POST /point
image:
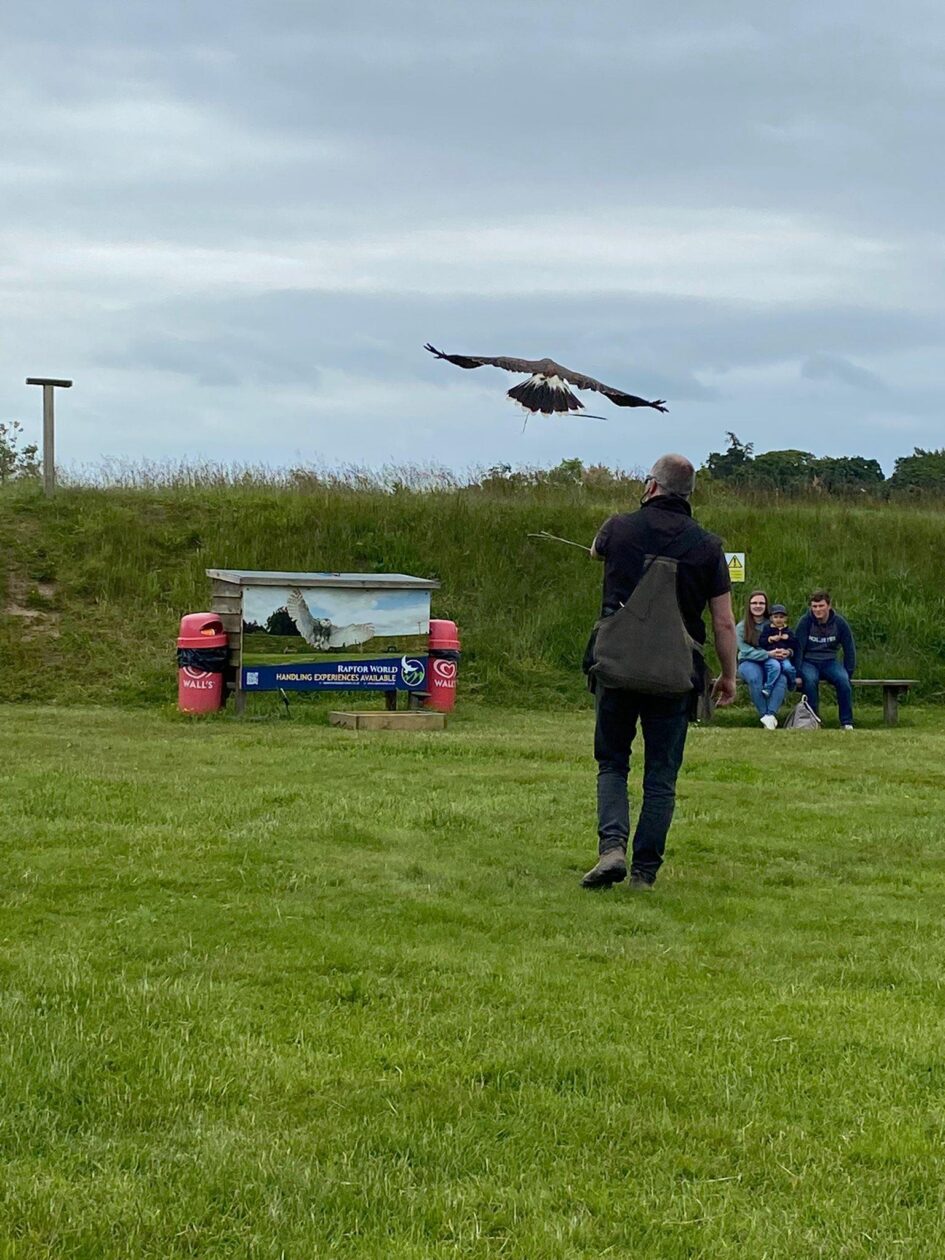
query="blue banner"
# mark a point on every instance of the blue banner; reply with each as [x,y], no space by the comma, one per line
[385,673]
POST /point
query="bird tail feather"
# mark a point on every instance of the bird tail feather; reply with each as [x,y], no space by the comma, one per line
[537,395]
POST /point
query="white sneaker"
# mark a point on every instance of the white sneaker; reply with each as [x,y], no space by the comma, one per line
[848,727]
[769,722]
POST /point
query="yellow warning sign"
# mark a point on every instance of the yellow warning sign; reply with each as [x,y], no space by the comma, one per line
[736,565]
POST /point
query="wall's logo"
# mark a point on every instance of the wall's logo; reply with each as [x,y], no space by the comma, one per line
[252,678]
[445,670]
[197,679]
[412,671]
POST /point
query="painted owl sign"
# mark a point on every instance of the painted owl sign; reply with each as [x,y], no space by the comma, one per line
[332,631]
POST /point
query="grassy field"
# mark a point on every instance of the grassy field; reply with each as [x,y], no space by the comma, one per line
[276,990]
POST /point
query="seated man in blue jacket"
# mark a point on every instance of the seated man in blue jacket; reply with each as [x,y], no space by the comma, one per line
[821,633]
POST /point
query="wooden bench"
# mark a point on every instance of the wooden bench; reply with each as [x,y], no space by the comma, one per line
[893,688]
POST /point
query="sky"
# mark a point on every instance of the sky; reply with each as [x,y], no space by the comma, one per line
[235,225]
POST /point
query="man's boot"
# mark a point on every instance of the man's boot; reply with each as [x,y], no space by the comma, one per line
[610,869]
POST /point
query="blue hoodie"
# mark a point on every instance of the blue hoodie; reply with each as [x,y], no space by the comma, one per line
[818,642]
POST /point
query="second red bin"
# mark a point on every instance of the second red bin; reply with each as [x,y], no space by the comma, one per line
[444,664]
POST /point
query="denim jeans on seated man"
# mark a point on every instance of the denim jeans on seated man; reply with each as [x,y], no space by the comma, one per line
[834,673]
[664,721]
[753,674]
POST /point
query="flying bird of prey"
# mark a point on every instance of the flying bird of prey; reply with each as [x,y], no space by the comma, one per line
[318,631]
[546,389]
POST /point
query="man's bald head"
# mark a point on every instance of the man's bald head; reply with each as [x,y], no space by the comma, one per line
[673,474]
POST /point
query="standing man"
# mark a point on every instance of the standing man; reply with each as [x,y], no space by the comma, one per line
[625,543]
[821,633]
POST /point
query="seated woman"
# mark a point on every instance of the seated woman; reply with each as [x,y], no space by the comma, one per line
[761,670]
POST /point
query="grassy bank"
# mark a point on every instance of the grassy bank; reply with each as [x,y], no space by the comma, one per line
[278,990]
[95,581]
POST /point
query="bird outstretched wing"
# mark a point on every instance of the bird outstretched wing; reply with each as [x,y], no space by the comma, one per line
[485,360]
[311,630]
[618,396]
[350,636]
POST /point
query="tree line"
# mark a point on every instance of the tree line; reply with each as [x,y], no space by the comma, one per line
[793,471]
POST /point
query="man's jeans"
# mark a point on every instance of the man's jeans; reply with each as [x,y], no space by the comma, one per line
[833,673]
[753,673]
[664,722]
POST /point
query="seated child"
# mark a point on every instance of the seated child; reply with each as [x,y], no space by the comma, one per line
[777,635]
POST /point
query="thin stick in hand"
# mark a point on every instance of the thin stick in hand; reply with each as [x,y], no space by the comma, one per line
[554,538]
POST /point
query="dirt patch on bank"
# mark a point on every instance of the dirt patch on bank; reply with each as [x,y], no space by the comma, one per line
[34,602]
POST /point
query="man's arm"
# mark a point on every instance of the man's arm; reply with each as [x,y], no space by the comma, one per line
[849,647]
[599,545]
[800,634]
[723,631]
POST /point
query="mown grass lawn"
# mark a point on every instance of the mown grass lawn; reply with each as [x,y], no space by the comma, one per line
[273,989]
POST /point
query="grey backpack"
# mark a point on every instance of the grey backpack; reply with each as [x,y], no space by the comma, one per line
[645,646]
[802,717]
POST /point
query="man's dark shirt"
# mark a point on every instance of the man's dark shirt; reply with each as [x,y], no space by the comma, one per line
[626,540]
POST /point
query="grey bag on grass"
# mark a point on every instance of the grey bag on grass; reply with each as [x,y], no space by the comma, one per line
[802,717]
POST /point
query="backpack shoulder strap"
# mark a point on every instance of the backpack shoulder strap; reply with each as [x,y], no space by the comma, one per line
[677,547]
[683,541]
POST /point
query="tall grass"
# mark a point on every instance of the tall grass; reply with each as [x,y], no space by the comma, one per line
[162,475]
[105,571]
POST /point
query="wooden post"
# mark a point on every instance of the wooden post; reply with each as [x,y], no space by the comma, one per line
[891,706]
[49,428]
[227,603]
[49,441]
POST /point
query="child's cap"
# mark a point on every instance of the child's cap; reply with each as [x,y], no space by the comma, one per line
[778,608]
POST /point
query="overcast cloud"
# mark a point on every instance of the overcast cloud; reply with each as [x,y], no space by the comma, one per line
[235,225]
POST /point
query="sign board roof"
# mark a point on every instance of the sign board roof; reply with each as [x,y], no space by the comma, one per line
[364,581]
